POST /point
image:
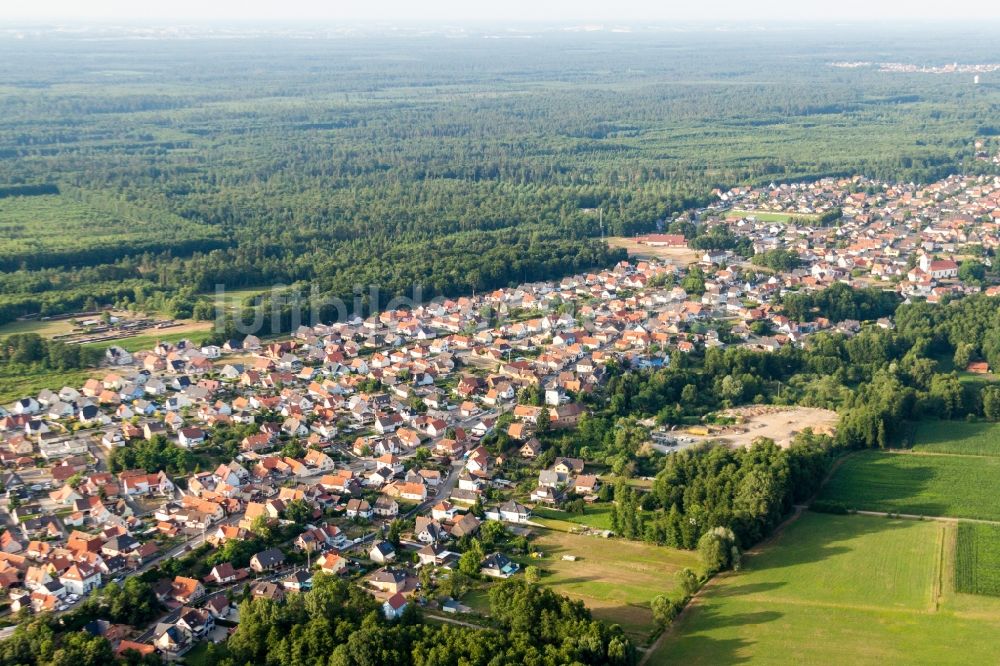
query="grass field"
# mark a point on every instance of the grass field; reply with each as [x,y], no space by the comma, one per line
[768,216]
[961,437]
[977,559]
[838,590]
[596,516]
[616,579]
[43,328]
[21,385]
[65,225]
[194,332]
[928,485]
[232,299]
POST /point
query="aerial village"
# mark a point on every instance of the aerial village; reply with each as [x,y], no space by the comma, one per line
[356,448]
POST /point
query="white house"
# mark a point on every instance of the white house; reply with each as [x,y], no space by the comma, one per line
[80,579]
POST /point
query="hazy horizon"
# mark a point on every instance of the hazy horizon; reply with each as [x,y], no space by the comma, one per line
[512,12]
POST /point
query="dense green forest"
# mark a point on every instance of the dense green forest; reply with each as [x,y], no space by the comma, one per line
[148,171]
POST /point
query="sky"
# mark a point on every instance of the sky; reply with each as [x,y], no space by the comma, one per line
[508,11]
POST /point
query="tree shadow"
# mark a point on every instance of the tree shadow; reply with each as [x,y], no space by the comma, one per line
[792,550]
[881,485]
[691,641]
[702,649]
[749,588]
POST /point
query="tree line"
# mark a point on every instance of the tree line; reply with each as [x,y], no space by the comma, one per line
[338,624]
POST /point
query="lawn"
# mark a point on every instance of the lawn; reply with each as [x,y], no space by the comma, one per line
[478,599]
[961,437]
[977,559]
[197,655]
[616,579]
[597,516]
[929,485]
[832,590]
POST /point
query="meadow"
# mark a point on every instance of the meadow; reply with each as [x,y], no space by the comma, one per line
[14,385]
[616,579]
[911,483]
[958,437]
[45,328]
[838,589]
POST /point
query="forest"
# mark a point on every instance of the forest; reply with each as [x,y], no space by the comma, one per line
[143,174]
[338,624]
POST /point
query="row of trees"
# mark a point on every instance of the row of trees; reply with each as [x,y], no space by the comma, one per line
[31,349]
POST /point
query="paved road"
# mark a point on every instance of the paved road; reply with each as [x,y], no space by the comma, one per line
[189,544]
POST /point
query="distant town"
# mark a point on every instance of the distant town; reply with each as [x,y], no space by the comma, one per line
[352,426]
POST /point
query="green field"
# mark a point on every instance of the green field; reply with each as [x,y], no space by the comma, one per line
[20,385]
[961,437]
[977,559]
[616,579]
[838,590]
[596,516]
[46,230]
[768,216]
[927,485]
[149,340]
[47,328]
[232,299]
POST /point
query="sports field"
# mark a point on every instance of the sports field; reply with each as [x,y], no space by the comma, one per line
[616,579]
[958,437]
[911,483]
[840,590]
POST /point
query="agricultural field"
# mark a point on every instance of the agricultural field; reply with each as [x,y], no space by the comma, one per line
[920,484]
[977,559]
[839,589]
[958,437]
[616,579]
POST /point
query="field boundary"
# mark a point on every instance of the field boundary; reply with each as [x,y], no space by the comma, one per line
[934,454]
[940,567]
[799,509]
[914,516]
